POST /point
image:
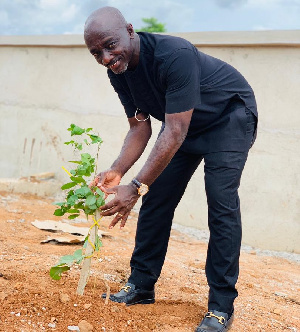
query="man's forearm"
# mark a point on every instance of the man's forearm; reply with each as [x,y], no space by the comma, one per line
[166,146]
[134,145]
[163,151]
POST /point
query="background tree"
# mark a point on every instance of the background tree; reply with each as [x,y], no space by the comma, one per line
[152,25]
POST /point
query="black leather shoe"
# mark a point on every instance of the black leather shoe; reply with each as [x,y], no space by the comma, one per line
[215,321]
[131,295]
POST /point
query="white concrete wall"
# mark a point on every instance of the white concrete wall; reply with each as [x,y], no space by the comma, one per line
[48,82]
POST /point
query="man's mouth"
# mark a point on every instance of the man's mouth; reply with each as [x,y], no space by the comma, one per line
[114,64]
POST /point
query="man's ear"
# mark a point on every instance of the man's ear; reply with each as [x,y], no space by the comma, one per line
[130,30]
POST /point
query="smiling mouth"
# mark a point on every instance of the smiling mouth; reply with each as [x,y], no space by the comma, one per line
[114,64]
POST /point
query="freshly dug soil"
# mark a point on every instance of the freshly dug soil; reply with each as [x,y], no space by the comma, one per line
[31,301]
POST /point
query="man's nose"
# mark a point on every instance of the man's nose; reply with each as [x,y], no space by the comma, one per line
[106,57]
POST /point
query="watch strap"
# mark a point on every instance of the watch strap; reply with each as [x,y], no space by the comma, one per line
[136,183]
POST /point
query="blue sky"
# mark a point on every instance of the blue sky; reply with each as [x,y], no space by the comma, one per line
[19,17]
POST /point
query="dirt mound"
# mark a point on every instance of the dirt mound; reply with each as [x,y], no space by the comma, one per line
[31,301]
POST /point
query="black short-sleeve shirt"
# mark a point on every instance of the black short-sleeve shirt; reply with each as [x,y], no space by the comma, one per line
[173,76]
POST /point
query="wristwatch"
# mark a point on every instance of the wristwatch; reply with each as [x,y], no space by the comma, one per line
[142,188]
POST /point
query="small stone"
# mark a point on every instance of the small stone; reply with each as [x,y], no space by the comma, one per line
[18,285]
[52,325]
[115,309]
[87,306]
[75,305]
[53,319]
[280,294]
[64,298]
[25,311]
[252,252]
[73,328]
[85,326]
[43,308]
[18,314]
[277,311]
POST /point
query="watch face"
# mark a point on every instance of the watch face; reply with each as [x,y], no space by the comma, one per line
[143,189]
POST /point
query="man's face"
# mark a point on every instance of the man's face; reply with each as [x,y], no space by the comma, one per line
[111,47]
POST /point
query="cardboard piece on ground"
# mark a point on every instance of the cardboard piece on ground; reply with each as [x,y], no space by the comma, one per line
[68,239]
[58,226]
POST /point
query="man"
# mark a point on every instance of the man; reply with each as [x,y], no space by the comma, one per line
[208,112]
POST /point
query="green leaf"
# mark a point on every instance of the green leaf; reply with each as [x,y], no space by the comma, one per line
[88,129]
[75,162]
[70,142]
[79,146]
[77,179]
[93,207]
[59,212]
[70,193]
[91,200]
[56,271]
[85,242]
[78,256]
[73,211]
[88,211]
[72,199]
[79,205]
[66,260]
[58,203]
[86,157]
[83,191]
[95,139]
[100,202]
[68,185]
[75,130]
[73,216]
[99,192]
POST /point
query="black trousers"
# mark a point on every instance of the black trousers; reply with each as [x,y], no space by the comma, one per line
[223,172]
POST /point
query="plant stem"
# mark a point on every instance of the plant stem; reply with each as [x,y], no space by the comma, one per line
[85,271]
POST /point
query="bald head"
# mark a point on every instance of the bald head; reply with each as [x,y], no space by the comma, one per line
[103,19]
[111,40]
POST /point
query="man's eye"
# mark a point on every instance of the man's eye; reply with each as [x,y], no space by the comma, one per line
[111,45]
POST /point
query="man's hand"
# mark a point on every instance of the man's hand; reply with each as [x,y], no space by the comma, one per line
[123,202]
[105,180]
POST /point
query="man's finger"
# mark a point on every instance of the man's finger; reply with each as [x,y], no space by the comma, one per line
[113,223]
[108,205]
[109,212]
[124,219]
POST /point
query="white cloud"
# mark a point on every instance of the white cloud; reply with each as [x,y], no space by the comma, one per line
[70,12]
[271,4]
[68,16]
[230,3]
[52,4]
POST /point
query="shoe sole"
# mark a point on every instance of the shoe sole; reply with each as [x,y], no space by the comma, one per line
[145,301]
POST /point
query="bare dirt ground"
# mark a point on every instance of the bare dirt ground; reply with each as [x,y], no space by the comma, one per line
[31,301]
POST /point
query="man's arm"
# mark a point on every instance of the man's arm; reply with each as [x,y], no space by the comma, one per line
[176,128]
[170,140]
[134,144]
